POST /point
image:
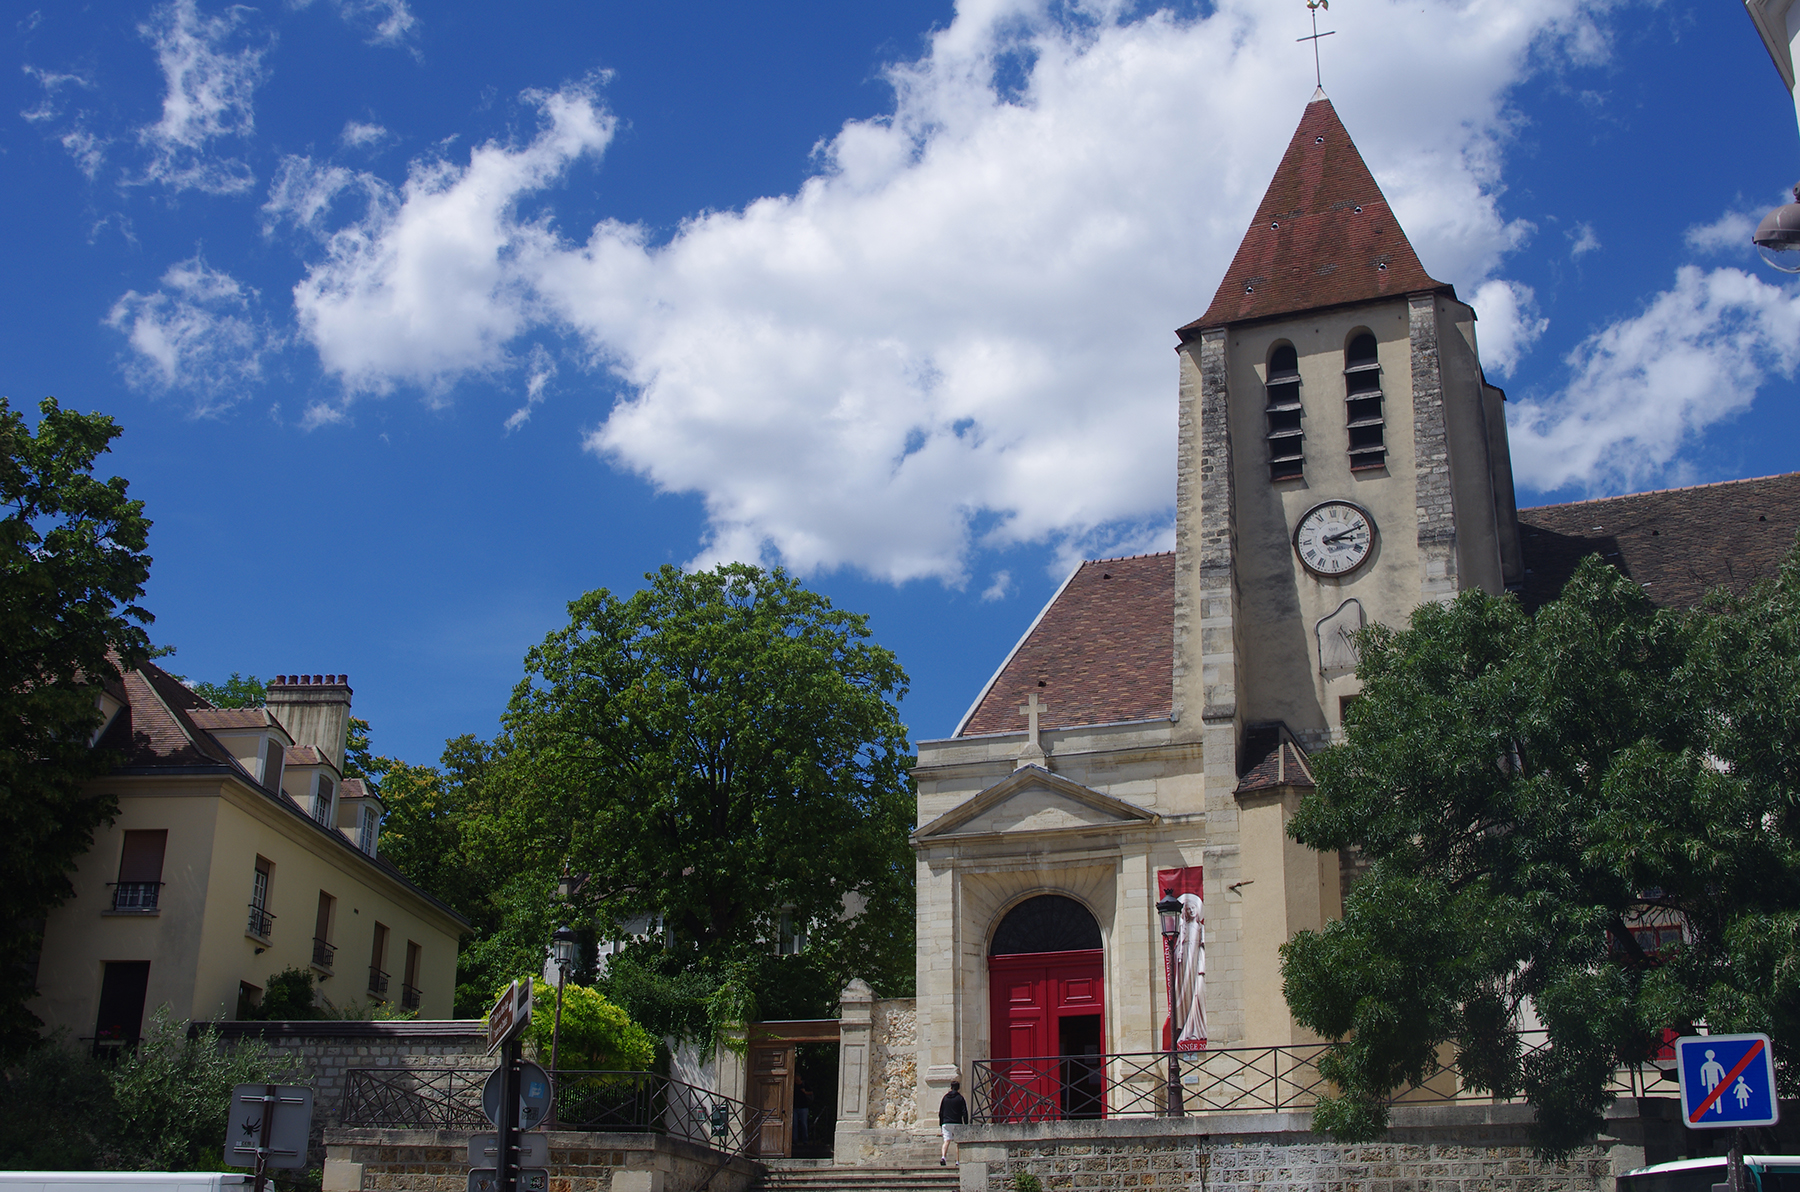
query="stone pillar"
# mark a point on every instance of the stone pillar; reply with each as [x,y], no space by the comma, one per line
[1436,502]
[856,1011]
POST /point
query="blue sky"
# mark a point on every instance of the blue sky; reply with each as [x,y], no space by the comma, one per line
[423,319]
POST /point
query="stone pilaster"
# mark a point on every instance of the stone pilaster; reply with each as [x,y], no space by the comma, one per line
[1436,507]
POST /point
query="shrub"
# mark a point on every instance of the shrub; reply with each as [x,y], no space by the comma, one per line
[596,1034]
[1024,1181]
[65,1080]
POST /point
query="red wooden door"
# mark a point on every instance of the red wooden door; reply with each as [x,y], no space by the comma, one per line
[1035,998]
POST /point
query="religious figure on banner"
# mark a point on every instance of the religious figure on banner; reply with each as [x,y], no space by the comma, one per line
[1189,1018]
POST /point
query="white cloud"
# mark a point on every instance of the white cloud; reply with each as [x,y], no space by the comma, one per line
[303,192]
[87,148]
[387,22]
[542,370]
[208,91]
[199,333]
[1730,233]
[1508,323]
[1001,586]
[959,329]
[1644,387]
[357,134]
[1582,240]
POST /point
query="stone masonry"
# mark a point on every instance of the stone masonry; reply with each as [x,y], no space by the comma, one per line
[1462,1148]
[438,1161]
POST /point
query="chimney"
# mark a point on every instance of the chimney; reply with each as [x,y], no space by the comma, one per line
[315,710]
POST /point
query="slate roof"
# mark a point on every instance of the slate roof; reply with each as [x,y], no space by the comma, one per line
[1679,543]
[307,755]
[1323,235]
[1101,652]
[230,718]
[1282,763]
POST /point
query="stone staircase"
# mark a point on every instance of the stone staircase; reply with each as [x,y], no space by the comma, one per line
[819,1175]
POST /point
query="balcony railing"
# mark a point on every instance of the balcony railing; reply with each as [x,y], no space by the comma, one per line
[612,1102]
[410,997]
[136,896]
[323,953]
[1232,1079]
[261,923]
[378,982]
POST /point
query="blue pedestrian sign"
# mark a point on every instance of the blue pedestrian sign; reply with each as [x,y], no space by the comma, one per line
[1727,1080]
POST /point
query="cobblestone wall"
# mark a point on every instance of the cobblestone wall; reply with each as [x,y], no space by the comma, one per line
[1436,1149]
[438,1161]
[893,1068]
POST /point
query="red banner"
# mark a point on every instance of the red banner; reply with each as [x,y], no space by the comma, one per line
[1188,957]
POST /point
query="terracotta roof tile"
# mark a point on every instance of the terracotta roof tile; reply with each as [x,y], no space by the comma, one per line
[352,788]
[1323,235]
[1280,762]
[306,755]
[1101,653]
[1679,543]
[154,729]
[230,718]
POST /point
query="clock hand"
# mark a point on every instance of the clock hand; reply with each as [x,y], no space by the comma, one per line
[1342,536]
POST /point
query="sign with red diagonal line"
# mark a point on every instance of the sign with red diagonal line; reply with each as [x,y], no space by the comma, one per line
[1727,1080]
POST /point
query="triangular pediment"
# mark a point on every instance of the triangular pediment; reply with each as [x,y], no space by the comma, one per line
[1032,799]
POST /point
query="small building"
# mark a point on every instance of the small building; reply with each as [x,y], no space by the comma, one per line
[239,850]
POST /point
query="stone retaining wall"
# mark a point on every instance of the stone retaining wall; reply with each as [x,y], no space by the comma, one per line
[1449,1148]
[327,1050]
[438,1161]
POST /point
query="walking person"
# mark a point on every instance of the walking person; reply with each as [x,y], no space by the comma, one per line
[952,1111]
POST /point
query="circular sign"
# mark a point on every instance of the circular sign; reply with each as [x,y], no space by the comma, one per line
[535,1095]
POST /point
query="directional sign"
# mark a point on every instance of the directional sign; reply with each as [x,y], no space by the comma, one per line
[535,1094]
[510,1015]
[1727,1080]
[277,1117]
[534,1150]
[531,1179]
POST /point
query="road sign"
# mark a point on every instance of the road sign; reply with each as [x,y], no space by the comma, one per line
[1727,1080]
[534,1150]
[510,1015]
[531,1179]
[274,1119]
[535,1095]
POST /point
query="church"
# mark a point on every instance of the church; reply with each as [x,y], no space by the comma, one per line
[1342,459]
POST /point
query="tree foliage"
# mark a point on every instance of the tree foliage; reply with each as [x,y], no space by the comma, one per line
[597,1035]
[1527,790]
[72,568]
[239,691]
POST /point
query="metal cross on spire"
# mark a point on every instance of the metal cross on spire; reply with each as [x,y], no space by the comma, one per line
[1313,6]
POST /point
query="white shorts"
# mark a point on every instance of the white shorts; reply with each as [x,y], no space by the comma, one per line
[946,1129]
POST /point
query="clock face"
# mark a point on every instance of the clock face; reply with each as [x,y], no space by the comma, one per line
[1334,537]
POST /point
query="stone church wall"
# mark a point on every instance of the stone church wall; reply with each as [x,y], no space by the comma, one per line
[893,1067]
[1428,1149]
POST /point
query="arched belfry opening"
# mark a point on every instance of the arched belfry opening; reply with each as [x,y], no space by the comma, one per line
[1046,966]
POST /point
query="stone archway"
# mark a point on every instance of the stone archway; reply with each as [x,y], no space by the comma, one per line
[1046,982]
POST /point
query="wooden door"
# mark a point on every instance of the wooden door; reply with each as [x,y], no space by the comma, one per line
[1030,994]
[771,1093]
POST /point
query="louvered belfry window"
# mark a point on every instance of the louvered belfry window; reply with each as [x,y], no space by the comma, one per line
[1286,458]
[1362,404]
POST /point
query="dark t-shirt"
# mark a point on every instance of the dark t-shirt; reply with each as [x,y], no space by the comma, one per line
[953,1110]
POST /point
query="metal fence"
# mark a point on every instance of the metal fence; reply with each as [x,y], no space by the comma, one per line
[616,1102]
[1227,1079]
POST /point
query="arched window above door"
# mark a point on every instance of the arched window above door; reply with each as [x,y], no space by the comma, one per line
[1047,923]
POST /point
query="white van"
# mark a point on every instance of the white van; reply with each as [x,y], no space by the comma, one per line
[1767,1173]
[123,1181]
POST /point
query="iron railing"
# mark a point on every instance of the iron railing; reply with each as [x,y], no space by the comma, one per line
[323,953]
[378,982]
[410,997]
[136,896]
[261,922]
[1228,1079]
[617,1102]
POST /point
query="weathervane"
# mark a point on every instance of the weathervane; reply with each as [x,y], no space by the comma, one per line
[1313,6]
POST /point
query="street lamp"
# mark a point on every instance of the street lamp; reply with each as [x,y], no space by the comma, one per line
[1169,911]
[563,944]
[1778,236]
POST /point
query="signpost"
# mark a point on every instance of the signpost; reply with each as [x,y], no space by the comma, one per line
[506,1022]
[535,1095]
[534,1150]
[1728,1082]
[269,1127]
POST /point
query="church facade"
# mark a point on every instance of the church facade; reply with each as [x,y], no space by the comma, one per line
[1342,459]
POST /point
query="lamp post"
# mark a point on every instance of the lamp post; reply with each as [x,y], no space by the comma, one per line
[563,943]
[1169,911]
[1778,236]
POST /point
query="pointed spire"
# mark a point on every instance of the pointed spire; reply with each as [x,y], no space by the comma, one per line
[1323,236]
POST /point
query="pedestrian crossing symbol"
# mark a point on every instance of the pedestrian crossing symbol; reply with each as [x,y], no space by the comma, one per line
[1727,1080]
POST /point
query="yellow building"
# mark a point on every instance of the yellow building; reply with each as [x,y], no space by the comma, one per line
[239,850]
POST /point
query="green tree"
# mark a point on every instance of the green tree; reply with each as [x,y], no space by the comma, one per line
[239,691]
[1526,790]
[721,751]
[596,1033]
[72,568]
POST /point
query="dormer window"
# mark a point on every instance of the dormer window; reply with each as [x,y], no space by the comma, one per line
[1362,405]
[369,830]
[322,801]
[274,752]
[1282,390]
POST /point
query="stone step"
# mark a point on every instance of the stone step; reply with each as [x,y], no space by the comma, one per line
[787,1175]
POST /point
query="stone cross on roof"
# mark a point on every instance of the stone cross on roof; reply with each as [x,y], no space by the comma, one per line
[1033,754]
